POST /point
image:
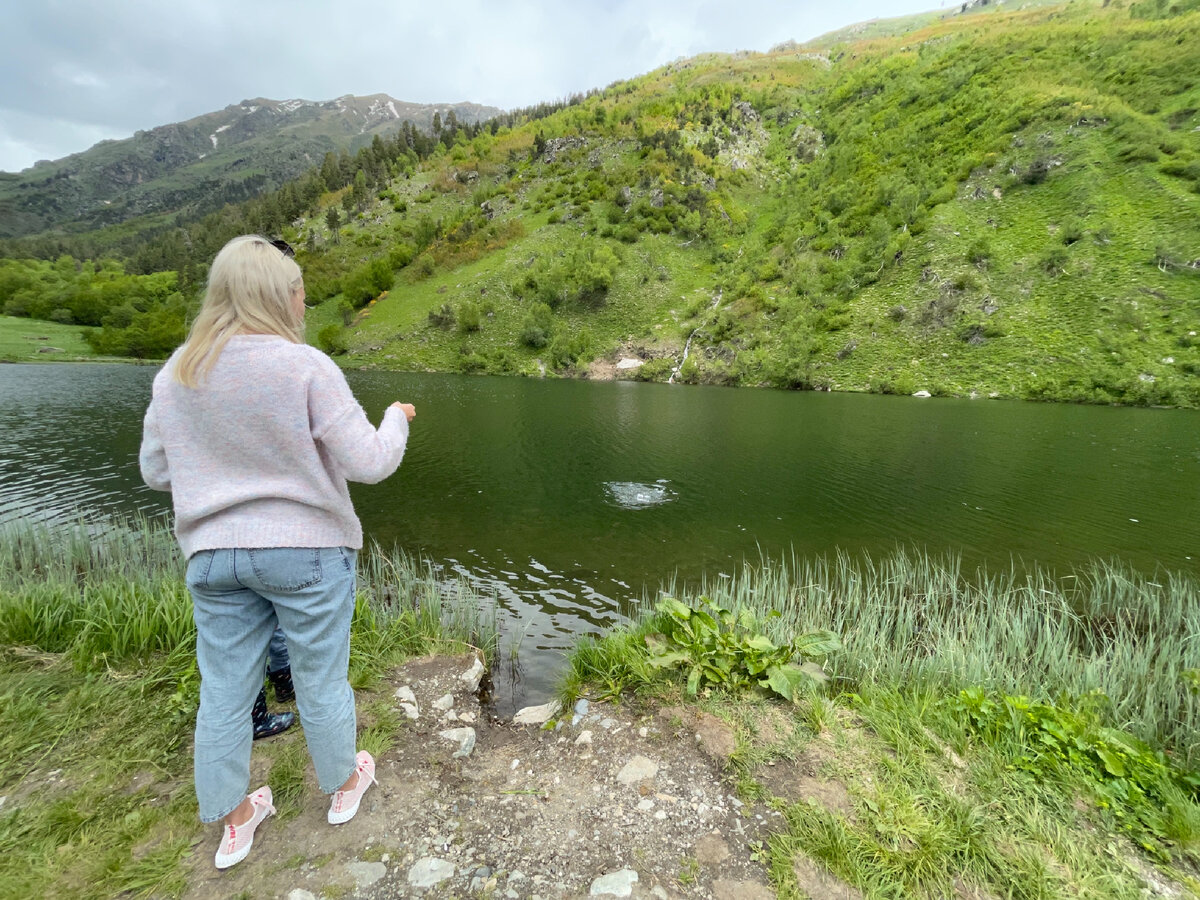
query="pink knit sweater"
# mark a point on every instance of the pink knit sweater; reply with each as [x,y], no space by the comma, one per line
[259,455]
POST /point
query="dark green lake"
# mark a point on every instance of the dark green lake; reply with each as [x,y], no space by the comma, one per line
[573,499]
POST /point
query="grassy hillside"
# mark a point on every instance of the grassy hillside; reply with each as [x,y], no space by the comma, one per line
[998,203]
[1002,205]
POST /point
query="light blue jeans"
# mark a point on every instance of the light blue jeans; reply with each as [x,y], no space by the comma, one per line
[237,596]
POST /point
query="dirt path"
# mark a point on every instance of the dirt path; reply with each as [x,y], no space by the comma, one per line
[620,802]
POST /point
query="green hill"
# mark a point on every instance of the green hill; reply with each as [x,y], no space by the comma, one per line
[1004,206]
[996,204]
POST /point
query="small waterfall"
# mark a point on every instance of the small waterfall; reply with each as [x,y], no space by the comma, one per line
[687,345]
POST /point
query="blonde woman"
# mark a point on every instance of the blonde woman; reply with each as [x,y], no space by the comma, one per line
[255,435]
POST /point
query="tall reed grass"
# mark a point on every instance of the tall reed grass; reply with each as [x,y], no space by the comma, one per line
[115,593]
[915,620]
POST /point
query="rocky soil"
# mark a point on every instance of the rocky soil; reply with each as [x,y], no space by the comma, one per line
[601,801]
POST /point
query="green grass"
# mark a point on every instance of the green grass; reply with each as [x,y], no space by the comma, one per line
[98,692]
[23,340]
[941,802]
[919,620]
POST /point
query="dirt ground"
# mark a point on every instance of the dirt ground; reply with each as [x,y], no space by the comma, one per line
[617,802]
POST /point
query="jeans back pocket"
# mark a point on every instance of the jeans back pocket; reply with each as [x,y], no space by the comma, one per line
[286,568]
[198,567]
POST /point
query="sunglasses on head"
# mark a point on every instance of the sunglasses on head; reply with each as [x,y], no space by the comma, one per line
[283,247]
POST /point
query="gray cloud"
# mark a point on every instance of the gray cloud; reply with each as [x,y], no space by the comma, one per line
[78,71]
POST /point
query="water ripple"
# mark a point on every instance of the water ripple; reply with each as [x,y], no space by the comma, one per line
[637,495]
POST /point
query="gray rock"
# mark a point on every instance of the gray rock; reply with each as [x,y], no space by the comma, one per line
[444,702]
[554,146]
[464,737]
[301,894]
[405,695]
[408,702]
[614,884]
[808,143]
[922,394]
[637,769]
[536,715]
[429,870]
[472,676]
[581,705]
[365,874]
[585,737]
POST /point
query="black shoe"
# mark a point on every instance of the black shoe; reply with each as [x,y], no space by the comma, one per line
[267,724]
[282,682]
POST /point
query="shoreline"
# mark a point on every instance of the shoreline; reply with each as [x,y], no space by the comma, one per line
[586,376]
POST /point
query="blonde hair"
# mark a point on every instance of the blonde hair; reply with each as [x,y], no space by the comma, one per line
[250,288]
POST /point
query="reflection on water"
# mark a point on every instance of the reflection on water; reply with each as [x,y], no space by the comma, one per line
[570,502]
[69,436]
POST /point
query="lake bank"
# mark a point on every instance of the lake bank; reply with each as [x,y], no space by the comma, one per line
[24,340]
[879,781]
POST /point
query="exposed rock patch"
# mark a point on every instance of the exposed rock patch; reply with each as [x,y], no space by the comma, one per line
[599,801]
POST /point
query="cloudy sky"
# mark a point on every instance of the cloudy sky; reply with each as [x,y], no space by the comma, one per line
[75,72]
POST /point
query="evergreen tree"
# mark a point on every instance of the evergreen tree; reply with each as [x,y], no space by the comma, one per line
[359,191]
[330,172]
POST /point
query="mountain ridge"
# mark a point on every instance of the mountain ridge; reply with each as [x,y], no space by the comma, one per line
[221,156]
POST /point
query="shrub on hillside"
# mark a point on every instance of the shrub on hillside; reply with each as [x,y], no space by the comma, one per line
[468,317]
[567,351]
[585,276]
[367,282]
[980,252]
[537,326]
[330,340]
[443,318]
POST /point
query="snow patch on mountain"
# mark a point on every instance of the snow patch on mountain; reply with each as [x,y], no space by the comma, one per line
[213,137]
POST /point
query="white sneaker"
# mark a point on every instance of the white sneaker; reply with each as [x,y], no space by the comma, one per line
[345,803]
[239,838]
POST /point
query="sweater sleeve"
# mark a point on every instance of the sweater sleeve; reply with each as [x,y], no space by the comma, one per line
[152,459]
[362,452]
